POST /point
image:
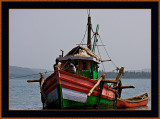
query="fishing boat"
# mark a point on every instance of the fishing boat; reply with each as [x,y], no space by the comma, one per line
[141,100]
[75,82]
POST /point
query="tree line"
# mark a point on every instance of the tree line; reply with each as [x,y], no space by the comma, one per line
[127,74]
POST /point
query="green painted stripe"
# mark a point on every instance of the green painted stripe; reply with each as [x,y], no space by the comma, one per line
[60,98]
[91,101]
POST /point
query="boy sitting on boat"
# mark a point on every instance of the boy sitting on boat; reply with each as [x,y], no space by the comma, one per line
[70,67]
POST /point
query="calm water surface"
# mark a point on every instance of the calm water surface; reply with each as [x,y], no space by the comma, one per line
[26,96]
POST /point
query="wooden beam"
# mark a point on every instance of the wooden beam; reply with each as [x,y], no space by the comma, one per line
[115,87]
[109,81]
[98,82]
[106,60]
[34,80]
[119,74]
[123,87]
[106,80]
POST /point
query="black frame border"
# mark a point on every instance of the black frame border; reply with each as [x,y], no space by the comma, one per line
[79,5]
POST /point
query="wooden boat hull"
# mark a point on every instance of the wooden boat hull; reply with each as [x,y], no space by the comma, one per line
[63,89]
[137,101]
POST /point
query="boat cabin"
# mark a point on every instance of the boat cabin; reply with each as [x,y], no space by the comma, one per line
[84,60]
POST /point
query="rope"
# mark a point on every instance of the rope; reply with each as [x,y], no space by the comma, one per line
[93,31]
[81,40]
[107,52]
[98,50]
[91,38]
[101,58]
[84,35]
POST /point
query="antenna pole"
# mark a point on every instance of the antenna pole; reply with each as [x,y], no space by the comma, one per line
[89,32]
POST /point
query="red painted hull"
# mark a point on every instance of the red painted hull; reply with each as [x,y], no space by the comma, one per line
[133,102]
[76,83]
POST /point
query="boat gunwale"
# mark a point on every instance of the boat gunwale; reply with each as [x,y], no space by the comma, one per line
[49,78]
[91,80]
[131,101]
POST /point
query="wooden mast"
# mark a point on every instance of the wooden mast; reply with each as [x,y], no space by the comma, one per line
[89,32]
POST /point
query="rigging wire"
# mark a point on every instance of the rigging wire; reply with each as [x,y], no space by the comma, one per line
[88,12]
[92,36]
[107,53]
[92,31]
[91,39]
[81,40]
[84,36]
[101,58]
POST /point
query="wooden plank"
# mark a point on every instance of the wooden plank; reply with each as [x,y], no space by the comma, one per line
[98,82]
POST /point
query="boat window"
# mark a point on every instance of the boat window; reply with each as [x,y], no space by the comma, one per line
[84,65]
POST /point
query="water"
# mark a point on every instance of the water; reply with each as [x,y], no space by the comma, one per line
[26,96]
[23,95]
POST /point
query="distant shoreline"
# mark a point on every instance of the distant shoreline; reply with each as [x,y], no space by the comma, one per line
[128,75]
[22,72]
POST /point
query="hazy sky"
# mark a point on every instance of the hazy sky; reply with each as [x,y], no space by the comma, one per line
[37,35]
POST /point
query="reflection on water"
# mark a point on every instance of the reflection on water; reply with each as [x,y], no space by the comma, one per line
[26,96]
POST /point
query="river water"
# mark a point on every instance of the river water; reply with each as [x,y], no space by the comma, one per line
[26,96]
